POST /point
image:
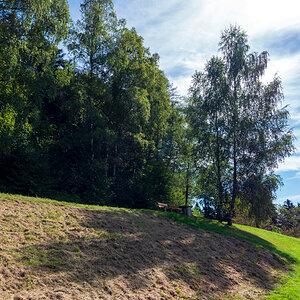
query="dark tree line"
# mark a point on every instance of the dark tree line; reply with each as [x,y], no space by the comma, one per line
[99,122]
[96,125]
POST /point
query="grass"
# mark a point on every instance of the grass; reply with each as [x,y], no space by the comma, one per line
[107,235]
[32,256]
[290,284]
[286,247]
[60,203]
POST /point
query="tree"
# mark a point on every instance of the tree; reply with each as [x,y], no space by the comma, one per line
[241,127]
[29,33]
[257,195]
[287,218]
[125,102]
[138,110]
[176,150]
[90,42]
[29,80]
[207,114]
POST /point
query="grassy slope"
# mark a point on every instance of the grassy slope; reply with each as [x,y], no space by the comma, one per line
[290,285]
[285,246]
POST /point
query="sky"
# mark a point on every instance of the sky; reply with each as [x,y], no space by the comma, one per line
[186,33]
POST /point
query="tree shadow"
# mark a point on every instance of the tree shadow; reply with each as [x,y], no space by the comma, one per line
[224,229]
[145,250]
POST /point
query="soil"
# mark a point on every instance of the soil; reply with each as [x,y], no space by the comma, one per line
[57,252]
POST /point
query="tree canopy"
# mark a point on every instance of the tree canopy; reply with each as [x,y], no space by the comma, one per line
[239,125]
[87,114]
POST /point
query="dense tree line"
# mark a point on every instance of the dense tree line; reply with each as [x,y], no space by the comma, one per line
[87,115]
[96,125]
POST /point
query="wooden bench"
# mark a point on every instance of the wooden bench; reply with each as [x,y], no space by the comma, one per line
[176,209]
[165,207]
[162,206]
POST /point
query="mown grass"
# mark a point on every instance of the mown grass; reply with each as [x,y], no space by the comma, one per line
[284,246]
[32,256]
[290,284]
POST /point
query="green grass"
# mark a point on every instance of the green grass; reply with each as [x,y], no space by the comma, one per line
[284,246]
[32,256]
[60,203]
[289,246]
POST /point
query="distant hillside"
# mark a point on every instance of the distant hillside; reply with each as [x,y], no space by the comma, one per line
[51,251]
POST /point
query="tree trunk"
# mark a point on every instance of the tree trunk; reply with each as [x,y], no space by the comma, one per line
[234,187]
[220,187]
[115,161]
[92,142]
[187,185]
[106,160]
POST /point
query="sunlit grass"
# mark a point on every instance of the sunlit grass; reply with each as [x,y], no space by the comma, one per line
[284,246]
[290,284]
[59,203]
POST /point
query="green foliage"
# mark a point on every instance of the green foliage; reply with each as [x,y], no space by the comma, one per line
[104,126]
[91,127]
[287,219]
[240,129]
[30,32]
[258,195]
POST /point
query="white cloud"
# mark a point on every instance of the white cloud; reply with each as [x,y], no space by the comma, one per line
[295,115]
[187,33]
[293,198]
[297,135]
[287,68]
[291,163]
[181,83]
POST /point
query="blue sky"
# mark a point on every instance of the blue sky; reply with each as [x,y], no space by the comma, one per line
[185,34]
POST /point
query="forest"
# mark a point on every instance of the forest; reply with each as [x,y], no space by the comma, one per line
[87,115]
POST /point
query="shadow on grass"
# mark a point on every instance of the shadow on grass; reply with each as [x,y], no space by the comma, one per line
[224,229]
[134,245]
[199,222]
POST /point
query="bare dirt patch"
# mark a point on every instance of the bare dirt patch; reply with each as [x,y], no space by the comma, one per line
[56,252]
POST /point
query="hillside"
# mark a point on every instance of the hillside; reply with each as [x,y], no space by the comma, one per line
[52,251]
